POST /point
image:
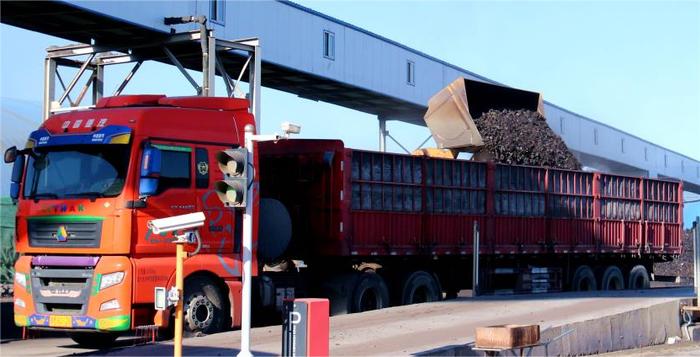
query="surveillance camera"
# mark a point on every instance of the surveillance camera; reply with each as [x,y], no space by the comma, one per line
[175,223]
[291,128]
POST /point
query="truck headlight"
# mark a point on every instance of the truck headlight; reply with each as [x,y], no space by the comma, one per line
[111,279]
[21,279]
[110,305]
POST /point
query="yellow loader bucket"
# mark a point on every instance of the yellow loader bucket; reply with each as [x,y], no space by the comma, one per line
[451,112]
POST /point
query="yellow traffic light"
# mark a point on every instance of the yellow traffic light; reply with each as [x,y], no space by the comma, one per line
[232,190]
[232,162]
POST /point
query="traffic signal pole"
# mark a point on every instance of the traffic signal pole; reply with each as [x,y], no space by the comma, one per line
[237,191]
[250,139]
[247,247]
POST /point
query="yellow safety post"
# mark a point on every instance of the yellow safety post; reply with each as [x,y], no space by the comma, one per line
[180,256]
[187,224]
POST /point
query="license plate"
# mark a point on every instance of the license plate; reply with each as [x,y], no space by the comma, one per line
[60,321]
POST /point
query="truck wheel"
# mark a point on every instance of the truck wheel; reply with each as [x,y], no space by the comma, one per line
[339,289]
[95,340]
[612,279]
[370,293]
[638,278]
[583,279]
[419,287]
[204,306]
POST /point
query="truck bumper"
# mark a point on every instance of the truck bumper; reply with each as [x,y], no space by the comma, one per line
[73,292]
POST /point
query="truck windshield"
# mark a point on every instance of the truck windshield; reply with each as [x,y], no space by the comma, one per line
[76,171]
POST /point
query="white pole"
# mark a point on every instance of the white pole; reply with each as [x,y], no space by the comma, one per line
[696,260]
[382,134]
[475,260]
[247,249]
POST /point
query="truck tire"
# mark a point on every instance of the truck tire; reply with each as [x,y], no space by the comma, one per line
[583,279]
[638,278]
[338,289]
[612,279]
[95,340]
[419,287]
[370,293]
[205,308]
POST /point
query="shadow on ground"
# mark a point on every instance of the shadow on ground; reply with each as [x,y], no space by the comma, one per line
[167,350]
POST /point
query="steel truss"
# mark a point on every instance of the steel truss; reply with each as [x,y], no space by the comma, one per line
[384,134]
[177,49]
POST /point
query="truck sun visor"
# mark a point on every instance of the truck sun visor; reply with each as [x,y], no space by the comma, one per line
[113,134]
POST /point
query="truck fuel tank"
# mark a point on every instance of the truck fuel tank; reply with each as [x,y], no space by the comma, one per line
[275,229]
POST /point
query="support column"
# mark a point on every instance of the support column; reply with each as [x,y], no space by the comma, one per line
[49,85]
[254,77]
[98,83]
[204,43]
[209,58]
[208,43]
[382,133]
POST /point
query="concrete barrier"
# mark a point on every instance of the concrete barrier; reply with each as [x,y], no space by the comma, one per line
[631,329]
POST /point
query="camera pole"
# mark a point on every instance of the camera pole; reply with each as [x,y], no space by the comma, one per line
[187,224]
[179,286]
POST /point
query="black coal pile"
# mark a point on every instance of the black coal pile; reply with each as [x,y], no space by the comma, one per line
[681,266]
[522,137]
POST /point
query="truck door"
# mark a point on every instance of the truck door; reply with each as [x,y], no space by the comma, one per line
[175,195]
[217,237]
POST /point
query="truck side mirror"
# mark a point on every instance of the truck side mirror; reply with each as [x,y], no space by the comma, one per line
[16,178]
[11,155]
[150,171]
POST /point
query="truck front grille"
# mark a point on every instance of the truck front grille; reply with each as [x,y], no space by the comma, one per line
[50,233]
[61,291]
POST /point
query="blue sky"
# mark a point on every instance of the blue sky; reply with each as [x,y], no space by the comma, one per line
[632,65]
[627,64]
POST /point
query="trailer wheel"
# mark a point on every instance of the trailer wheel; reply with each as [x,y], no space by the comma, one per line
[339,289]
[204,306]
[638,278]
[584,279]
[95,340]
[420,287]
[612,279]
[370,293]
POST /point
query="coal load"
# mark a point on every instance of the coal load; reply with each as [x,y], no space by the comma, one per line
[522,137]
[681,266]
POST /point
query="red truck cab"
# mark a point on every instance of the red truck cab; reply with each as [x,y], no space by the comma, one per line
[92,180]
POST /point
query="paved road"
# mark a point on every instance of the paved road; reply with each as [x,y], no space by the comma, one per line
[396,331]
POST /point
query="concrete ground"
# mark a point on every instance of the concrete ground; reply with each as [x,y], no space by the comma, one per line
[401,330]
[678,349]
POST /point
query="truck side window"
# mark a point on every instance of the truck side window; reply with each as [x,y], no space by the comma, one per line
[175,170]
[201,162]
